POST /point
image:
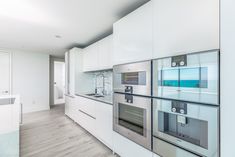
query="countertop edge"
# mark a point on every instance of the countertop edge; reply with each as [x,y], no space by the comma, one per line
[95,99]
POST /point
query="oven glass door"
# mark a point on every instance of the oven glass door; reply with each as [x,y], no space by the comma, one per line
[132,118]
[196,82]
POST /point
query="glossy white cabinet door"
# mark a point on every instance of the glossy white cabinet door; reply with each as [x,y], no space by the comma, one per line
[70,106]
[133,36]
[104,123]
[126,148]
[105,53]
[90,58]
[184,26]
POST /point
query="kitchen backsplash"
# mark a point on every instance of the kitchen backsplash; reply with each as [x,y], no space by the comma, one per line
[108,80]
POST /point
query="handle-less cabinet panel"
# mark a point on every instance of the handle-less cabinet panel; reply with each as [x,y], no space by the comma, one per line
[90,57]
[98,56]
[133,36]
[105,53]
[185,26]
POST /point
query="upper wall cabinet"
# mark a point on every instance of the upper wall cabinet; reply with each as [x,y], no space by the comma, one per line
[133,36]
[105,53]
[98,56]
[185,26]
[90,55]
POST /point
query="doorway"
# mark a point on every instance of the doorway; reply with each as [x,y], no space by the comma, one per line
[5,68]
[59,82]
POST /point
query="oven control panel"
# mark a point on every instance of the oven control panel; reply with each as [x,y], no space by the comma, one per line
[179,107]
[177,61]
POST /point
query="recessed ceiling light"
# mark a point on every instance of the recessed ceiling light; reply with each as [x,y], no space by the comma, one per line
[58,36]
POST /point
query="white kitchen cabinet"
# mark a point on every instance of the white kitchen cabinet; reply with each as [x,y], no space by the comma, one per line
[105,53]
[133,36]
[184,26]
[87,114]
[104,123]
[98,56]
[90,58]
[70,106]
[126,148]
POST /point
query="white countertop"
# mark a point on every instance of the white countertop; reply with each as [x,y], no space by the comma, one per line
[108,99]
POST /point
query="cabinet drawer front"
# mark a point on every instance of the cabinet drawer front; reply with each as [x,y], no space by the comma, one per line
[87,121]
[87,106]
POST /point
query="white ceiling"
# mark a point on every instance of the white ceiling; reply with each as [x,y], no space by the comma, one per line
[33,24]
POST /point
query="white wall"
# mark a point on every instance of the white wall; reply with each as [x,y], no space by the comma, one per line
[227,78]
[30,79]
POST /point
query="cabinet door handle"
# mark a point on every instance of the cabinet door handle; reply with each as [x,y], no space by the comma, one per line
[86,114]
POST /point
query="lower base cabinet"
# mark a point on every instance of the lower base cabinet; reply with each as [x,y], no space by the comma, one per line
[70,107]
[126,148]
[96,118]
[104,123]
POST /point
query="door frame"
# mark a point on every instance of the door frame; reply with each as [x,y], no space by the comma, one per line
[10,68]
[52,61]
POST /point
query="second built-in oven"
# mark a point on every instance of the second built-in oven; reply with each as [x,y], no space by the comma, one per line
[180,126]
[132,118]
[191,77]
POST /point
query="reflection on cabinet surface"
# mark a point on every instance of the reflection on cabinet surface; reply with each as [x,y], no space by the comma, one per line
[132,37]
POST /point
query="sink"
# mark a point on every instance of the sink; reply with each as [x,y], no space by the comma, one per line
[98,96]
[91,94]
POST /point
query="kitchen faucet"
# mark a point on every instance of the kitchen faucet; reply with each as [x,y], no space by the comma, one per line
[103,83]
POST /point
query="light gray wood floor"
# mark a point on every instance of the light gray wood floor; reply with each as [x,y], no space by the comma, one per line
[51,134]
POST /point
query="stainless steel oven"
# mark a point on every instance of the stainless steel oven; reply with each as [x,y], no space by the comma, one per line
[192,77]
[132,118]
[134,78]
[180,126]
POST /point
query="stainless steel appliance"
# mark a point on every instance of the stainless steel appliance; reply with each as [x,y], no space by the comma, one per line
[132,107]
[132,118]
[180,126]
[134,78]
[192,77]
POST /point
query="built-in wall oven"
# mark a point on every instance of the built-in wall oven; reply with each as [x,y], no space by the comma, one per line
[180,126]
[192,77]
[132,118]
[132,102]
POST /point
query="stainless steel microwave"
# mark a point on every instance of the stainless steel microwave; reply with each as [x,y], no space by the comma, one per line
[133,78]
[191,77]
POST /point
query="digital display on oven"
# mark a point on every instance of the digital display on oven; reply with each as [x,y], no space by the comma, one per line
[184,77]
[134,78]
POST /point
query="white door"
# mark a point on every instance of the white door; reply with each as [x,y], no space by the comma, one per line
[5,73]
[59,82]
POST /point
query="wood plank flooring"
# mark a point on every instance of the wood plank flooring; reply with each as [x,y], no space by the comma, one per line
[51,134]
